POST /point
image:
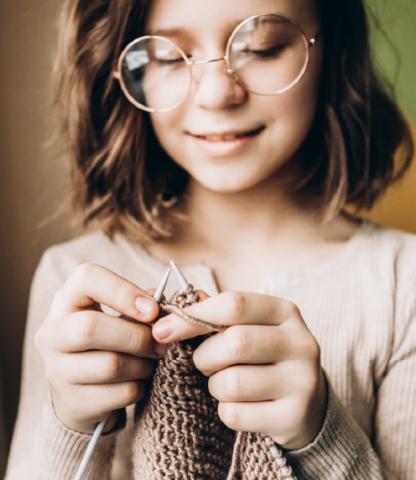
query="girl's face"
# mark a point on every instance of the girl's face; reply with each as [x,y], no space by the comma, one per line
[200,135]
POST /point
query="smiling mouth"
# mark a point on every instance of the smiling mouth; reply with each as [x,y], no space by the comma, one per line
[228,136]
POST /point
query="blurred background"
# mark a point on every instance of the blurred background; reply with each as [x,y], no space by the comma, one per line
[32,183]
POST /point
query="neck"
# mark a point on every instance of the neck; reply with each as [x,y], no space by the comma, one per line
[260,227]
[252,219]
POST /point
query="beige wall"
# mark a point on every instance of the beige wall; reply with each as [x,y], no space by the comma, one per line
[30,182]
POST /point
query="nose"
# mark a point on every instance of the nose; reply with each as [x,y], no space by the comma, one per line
[214,87]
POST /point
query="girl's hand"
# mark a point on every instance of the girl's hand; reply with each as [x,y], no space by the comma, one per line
[264,369]
[96,363]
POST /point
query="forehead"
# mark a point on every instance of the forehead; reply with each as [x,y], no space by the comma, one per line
[219,16]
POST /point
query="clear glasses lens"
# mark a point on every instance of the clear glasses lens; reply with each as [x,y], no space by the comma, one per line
[269,54]
[155,74]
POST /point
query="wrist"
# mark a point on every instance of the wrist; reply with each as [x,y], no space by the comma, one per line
[314,418]
[83,426]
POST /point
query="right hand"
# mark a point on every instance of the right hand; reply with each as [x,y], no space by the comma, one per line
[96,363]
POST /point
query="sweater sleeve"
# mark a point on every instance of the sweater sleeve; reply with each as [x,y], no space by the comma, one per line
[395,414]
[42,447]
[342,450]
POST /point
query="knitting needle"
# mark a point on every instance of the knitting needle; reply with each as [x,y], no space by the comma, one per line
[180,313]
[99,428]
[161,288]
[179,275]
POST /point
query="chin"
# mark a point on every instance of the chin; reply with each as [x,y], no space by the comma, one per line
[228,182]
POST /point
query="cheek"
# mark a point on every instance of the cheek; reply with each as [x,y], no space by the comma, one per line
[162,122]
[167,127]
[293,112]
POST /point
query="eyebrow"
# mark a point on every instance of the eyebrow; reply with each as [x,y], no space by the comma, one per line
[170,32]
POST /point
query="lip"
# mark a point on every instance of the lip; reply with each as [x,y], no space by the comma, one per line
[226,143]
[221,136]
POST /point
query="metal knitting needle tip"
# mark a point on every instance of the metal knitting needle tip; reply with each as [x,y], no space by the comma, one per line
[161,288]
[179,275]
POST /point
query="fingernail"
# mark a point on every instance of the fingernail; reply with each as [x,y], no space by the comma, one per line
[144,305]
[160,349]
[162,332]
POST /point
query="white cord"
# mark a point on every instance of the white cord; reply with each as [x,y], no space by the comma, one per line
[90,450]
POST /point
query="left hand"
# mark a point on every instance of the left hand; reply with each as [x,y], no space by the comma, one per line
[264,368]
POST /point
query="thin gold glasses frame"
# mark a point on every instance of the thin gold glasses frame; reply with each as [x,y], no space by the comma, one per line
[309,43]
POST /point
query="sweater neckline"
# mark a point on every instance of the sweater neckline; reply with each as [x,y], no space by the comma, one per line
[279,277]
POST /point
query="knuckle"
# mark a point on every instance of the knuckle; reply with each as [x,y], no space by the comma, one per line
[233,385]
[80,276]
[137,340]
[234,304]
[292,310]
[311,348]
[57,299]
[39,339]
[83,270]
[132,392]
[315,351]
[123,293]
[229,415]
[86,327]
[238,341]
[113,366]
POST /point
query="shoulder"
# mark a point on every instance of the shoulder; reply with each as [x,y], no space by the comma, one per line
[124,257]
[393,254]
[63,257]
[398,247]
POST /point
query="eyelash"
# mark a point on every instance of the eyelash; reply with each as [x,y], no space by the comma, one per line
[266,52]
[259,53]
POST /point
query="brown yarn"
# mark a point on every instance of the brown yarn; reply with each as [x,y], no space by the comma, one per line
[178,433]
[182,299]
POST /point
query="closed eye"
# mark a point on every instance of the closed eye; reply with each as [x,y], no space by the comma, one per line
[266,52]
[169,61]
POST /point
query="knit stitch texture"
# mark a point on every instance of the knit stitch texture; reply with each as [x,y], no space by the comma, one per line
[179,434]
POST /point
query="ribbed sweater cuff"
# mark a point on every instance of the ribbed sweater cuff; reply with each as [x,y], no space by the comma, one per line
[59,450]
[341,450]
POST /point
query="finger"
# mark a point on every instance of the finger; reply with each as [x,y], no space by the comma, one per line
[245,383]
[240,344]
[99,400]
[90,330]
[91,284]
[95,367]
[253,345]
[226,309]
[258,417]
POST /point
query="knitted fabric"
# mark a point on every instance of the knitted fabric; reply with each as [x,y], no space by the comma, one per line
[178,433]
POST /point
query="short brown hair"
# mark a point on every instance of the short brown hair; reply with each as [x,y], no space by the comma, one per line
[121,177]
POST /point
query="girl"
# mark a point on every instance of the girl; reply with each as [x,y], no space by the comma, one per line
[229,136]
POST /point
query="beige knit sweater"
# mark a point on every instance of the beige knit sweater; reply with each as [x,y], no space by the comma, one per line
[361,307]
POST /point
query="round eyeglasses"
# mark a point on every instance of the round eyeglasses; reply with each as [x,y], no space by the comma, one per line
[267,54]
